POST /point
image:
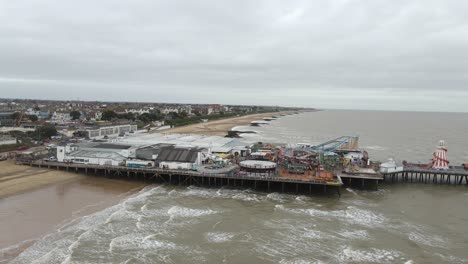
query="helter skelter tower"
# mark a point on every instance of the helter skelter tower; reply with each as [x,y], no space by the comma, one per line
[439,159]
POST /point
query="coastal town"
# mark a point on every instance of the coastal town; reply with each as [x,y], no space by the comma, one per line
[160,143]
[28,123]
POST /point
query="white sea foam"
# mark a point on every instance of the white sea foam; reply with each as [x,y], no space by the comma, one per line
[372,255]
[300,261]
[428,239]
[138,242]
[144,207]
[355,234]
[314,234]
[198,192]
[351,191]
[6,252]
[277,197]
[451,259]
[350,214]
[178,211]
[248,197]
[58,246]
[219,237]
[303,199]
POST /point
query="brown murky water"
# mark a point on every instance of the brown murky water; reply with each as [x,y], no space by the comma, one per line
[165,224]
[26,217]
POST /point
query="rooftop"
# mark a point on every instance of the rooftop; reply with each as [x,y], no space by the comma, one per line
[112,146]
[178,154]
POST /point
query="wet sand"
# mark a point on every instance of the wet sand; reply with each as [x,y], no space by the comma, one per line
[16,179]
[219,127]
[35,202]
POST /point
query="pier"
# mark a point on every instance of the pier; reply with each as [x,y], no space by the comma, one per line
[268,183]
[454,175]
[299,168]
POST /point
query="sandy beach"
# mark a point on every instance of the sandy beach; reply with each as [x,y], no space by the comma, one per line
[219,127]
[35,202]
[16,179]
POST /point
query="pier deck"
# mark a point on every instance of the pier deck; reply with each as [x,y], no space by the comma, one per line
[377,176]
[186,177]
[454,175]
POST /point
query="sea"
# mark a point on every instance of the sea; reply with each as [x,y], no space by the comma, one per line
[399,223]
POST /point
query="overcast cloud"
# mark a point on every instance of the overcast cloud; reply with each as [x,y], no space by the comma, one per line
[379,54]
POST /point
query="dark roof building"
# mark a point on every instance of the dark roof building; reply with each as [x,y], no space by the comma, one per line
[173,154]
[150,152]
[112,146]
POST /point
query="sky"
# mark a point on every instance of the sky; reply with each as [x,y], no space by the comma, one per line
[344,54]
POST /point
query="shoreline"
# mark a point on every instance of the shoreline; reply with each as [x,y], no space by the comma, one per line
[219,127]
[17,179]
[35,202]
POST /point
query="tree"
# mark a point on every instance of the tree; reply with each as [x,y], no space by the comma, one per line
[75,114]
[232,134]
[173,115]
[144,118]
[129,116]
[150,117]
[33,118]
[15,115]
[46,132]
[108,115]
[183,114]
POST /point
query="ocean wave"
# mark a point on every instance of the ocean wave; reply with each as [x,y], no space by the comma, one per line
[300,261]
[351,214]
[451,259]
[351,191]
[428,240]
[248,197]
[131,242]
[356,234]
[278,197]
[301,199]
[371,255]
[178,211]
[219,237]
[198,192]
[314,234]
[7,253]
[58,246]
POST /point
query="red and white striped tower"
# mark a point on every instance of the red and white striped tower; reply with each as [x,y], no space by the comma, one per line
[439,159]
